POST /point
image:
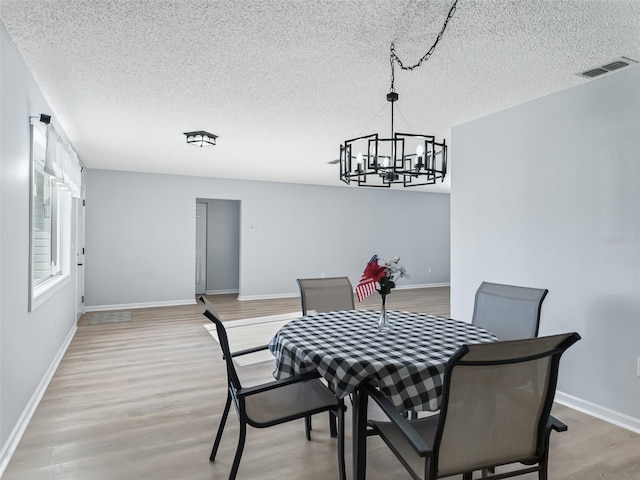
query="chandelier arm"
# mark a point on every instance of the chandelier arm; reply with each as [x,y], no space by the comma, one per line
[426,56]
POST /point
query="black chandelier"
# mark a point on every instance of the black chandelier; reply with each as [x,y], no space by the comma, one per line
[404,158]
[201,138]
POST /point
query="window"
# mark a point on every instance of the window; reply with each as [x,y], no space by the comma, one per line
[50,225]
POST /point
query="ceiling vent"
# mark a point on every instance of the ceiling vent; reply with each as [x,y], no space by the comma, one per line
[621,62]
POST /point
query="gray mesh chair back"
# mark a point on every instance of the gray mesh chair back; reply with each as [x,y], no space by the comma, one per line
[495,411]
[508,311]
[326,294]
[272,403]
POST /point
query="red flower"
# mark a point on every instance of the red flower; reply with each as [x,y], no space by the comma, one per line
[375,271]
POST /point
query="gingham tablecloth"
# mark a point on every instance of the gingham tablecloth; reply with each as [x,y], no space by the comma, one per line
[345,347]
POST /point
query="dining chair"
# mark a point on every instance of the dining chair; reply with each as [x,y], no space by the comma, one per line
[272,403]
[509,312]
[496,404]
[326,294]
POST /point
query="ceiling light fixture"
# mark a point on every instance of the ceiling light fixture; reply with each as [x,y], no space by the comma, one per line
[404,158]
[201,138]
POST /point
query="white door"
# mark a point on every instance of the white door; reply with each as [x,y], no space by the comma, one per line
[80,206]
[201,248]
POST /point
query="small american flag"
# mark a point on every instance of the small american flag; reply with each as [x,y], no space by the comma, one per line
[373,272]
[365,287]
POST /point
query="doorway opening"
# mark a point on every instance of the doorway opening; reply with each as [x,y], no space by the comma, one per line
[217,246]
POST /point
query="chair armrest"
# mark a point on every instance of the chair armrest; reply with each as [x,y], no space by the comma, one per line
[249,350]
[421,447]
[243,392]
[556,424]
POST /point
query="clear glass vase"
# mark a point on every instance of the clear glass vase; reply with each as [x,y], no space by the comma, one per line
[383,321]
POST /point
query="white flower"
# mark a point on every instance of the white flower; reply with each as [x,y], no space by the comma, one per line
[394,268]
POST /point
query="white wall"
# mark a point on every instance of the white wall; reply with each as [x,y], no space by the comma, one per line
[547,194]
[140,235]
[30,343]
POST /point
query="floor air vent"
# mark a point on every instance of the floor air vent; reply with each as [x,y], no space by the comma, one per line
[609,67]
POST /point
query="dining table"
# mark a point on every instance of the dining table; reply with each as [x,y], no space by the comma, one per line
[406,363]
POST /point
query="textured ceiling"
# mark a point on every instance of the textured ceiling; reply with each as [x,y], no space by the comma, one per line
[284,82]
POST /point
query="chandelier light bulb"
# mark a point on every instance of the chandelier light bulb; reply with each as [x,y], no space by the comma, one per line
[417,161]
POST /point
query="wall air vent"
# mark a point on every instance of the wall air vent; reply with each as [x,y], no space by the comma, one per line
[622,62]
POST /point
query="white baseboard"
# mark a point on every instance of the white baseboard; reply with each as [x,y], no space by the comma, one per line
[268,296]
[221,292]
[297,294]
[9,448]
[423,285]
[129,306]
[598,411]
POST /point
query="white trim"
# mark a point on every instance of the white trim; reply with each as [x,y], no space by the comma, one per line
[9,448]
[46,290]
[128,306]
[297,294]
[173,303]
[598,411]
[423,285]
[221,292]
[242,298]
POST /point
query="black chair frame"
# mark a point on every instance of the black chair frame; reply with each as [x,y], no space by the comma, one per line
[237,394]
[431,452]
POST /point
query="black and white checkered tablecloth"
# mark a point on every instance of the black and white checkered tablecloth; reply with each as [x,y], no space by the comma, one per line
[406,363]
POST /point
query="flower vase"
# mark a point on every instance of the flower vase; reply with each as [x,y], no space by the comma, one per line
[383,321]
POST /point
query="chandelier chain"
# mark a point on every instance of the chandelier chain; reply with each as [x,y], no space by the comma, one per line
[425,57]
[393,73]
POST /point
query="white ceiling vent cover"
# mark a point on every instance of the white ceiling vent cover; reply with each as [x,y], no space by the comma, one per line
[617,64]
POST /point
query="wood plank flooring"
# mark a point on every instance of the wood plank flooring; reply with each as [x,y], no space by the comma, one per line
[142,400]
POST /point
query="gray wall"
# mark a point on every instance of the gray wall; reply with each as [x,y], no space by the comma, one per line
[223,245]
[29,342]
[547,194]
[141,245]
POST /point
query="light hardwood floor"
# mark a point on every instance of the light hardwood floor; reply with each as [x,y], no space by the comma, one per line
[142,400]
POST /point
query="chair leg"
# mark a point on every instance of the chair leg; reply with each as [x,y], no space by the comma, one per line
[307,426]
[223,420]
[340,434]
[332,425]
[236,460]
[543,472]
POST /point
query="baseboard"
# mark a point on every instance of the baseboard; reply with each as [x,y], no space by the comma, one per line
[268,297]
[297,294]
[9,448]
[598,411]
[129,306]
[173,303]
[221,292]
[423,285]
